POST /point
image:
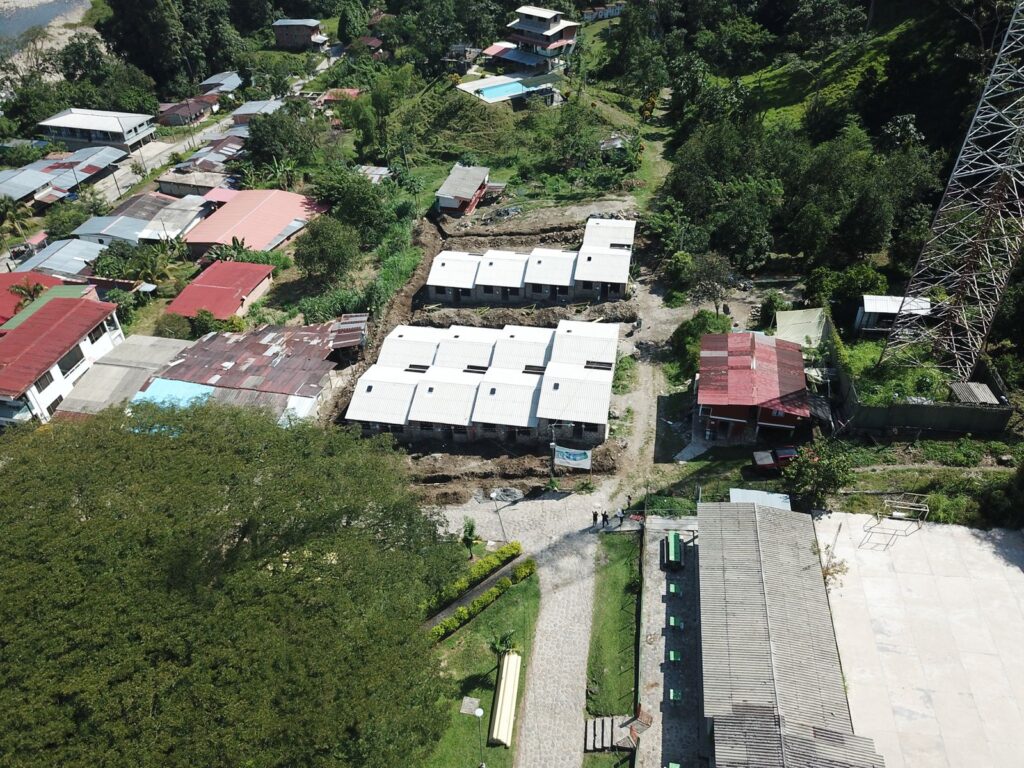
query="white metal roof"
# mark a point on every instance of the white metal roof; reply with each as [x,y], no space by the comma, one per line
[454,269]
[519,346]
[466,346]
[507,397]
[533,10]
[504,269]
[445,396]
[603,265]
[890,305]
[573,393]
[383,395]
[96,120]
[579,343]
[410,345]
[609,233]
[547,266]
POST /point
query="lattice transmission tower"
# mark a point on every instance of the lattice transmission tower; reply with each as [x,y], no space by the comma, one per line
[978,231]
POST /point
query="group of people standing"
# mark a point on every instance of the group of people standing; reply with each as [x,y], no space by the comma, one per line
[619,514]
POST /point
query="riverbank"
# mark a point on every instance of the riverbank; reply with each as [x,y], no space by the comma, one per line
[59,30]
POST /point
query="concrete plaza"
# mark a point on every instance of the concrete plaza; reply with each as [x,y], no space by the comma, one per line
[929,625]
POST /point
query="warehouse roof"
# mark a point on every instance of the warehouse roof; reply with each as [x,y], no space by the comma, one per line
[383,395]
[575,393]
[751,369]
[445,396]
[773,683]
[262,218]
[222,289]
[37,344]
[580,343]
[96,120]
[64,257]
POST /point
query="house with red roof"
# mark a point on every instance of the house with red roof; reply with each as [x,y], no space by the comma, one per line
[13,301]
[750,383]
[48,346]
[262,218]
[225,288]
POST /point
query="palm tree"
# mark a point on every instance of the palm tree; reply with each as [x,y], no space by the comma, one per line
[233,252]
[14,214]
[252,177]
[150,264]
[282,172]
[93,201]
[28,292]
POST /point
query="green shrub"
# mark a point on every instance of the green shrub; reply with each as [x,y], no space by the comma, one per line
[685,340]
[524,570]
[173,326]
[504,584]
[476,573]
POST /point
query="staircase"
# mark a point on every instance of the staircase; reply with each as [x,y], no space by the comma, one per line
[603,733]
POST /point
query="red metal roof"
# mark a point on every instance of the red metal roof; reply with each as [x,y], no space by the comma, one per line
[751,369]
[257,216]
[221,289]
[36,345]
[9,301]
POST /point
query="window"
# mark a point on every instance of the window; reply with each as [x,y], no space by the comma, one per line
[71,360]
[490,428]
[588,285]
[43,381]
[440,290]
[513,291]
[52,407]
[488,289]
[590,427]
[464,291]
[537,288]
[110,324]
[96,334]
[563,290]
[778,414]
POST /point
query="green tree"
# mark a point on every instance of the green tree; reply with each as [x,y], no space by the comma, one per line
[27,292]
[176,609]
[468,535]
[127,302]
[14,215]
[708,279]
[352,20]
[172,326]
[825,285]
[355,201]
[64,217]
[685,340]
[116,260]
[327,250]
[819,470]
[280,136]
[772,303]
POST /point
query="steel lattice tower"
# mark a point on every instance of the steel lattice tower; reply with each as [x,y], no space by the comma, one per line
[978,230]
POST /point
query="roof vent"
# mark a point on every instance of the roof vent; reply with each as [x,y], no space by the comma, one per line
[494,391]
[429,390]
[556,385]
[490,263]
[590,258]
[369,387]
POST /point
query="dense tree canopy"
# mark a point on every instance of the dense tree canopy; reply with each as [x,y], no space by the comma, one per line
[202,587]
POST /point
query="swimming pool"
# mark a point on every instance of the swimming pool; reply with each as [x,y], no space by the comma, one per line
[503,91]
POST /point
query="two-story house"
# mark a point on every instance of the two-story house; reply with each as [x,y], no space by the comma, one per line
[49,346]
[299,34]
[543,32]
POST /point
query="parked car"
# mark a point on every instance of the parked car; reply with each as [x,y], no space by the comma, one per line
[774,460]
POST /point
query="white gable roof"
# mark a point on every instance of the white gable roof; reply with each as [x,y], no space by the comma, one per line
[445,396]
[603,265]
[890,305]
[610,233]
[507,397]
[503,269]
[574,393]
[547,266]
[454,269]
[466,346]
[580,343]
[519,346]
[383,395]
[410,345]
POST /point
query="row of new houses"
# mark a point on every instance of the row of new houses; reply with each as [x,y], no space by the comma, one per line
[517,384]
[598,271]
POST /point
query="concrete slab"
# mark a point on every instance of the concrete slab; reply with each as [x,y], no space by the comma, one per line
[929,636]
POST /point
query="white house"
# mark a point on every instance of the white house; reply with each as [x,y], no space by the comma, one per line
[47,347]
[877,313]
[86,127]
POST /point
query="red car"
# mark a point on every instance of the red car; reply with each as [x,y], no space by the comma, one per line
[774,460]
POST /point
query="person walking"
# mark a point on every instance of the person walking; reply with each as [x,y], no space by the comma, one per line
[629,501]
[595,518]
[604,519]
[620,514]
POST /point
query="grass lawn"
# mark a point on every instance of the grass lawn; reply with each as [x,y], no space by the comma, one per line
[472,666]
[146,316]
[625,375]
[611,667]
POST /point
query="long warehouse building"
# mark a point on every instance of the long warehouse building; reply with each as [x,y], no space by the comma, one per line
[517,384]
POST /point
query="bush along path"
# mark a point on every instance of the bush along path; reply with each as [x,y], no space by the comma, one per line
[463,614]
[473,592]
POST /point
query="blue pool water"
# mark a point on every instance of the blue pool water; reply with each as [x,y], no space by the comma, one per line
[505,90]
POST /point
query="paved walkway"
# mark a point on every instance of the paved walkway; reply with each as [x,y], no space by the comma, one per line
[557,533]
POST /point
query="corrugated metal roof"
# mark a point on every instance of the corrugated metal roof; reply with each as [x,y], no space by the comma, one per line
[20,183]
[580,343]
[73,291]
[752,369]
[973,392]
[464,181]
[445,396]
[221,289]
[610,233]
[259,217]
[764,498]
[410,345]
[503,269]
[507,397]
[547,266]
[68,170]
[9,301]
[31,349]
[454,269]
[573,393]
[890,305]
[264,107]
[519,346]
[383,395]
[96,120]
[120,227]
[466,346]
[603,265]
[296,23]
[65,257]
[772,677]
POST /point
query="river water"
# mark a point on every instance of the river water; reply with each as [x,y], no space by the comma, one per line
[16,16]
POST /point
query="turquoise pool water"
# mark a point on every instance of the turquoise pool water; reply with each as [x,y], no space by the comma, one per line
[505,90]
